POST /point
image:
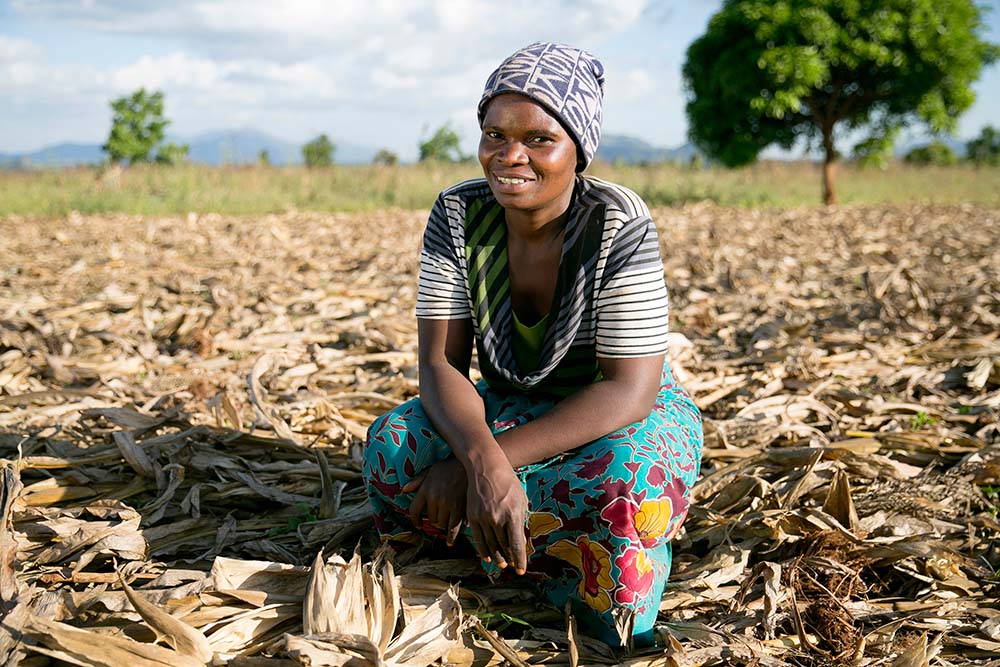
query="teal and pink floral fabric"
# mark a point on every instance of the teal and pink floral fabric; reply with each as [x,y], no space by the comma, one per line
[601,516]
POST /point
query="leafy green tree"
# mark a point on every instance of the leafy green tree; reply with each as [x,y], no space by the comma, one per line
[985,149]
[138,128]
[443,146]
[264,158]
[386,158]
[318,152]
[769,72]
[936,153]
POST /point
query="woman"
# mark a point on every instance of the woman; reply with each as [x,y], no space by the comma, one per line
[572,460]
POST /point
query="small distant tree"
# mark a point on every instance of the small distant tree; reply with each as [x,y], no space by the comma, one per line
[264,158]
[171,153]
[770,72]
[875,151]
[443,146]
[318,152]
[386,158]
[138,128]
[936,154]
[985,149]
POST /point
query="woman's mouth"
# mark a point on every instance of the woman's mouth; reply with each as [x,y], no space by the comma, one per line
[511,180]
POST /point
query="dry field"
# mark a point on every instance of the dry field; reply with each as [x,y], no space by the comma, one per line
[182,401]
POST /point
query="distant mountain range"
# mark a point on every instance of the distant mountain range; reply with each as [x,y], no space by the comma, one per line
[244,147]
[215,148]
[59,155]
[630,150]
[956,145]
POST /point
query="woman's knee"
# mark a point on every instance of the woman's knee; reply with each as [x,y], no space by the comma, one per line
[636,494]
[400,444]
[386,440]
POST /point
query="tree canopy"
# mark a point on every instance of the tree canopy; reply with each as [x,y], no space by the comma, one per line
[318,152]
[444,146]
[138,129]
[386,158]
[985,149]
[769,72]
[936,153]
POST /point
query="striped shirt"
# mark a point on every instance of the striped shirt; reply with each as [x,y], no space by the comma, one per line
[610,300]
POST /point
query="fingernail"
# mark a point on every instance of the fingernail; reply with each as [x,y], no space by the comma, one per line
[487,559]
[520,571]
[502,565]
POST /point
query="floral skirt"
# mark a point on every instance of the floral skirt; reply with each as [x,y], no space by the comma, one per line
[601,516]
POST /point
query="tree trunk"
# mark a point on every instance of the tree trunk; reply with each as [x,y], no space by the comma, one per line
[830,155]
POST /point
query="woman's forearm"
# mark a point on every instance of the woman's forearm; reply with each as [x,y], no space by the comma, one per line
[589,414]
[456,410]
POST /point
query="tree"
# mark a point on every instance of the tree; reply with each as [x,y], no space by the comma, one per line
[769,72]
[318,152]
[876,150]
[985,149]
[386,158]
[936,153]
[443,146]
[264,158]
[138,128]
[171,153]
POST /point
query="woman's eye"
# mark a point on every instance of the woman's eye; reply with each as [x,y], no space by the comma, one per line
[542,140]
[493,135]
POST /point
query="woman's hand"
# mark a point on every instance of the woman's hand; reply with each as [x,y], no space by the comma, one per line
[440,495]
[496,509]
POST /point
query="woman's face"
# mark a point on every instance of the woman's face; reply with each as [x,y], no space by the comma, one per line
[528,157]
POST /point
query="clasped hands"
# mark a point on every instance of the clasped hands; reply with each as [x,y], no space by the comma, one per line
[488,497]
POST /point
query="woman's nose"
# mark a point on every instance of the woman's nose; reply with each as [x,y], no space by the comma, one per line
[513,152]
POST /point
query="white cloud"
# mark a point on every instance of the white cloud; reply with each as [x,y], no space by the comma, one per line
[312,63]
[424,35]
[637,84]
[17,50]
[26,77]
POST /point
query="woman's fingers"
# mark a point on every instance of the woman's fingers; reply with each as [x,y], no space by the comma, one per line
[453,528]
[453,524]
[414,483]
[517,547]
[493,547]
[480,542]
[417,507]
[496,537]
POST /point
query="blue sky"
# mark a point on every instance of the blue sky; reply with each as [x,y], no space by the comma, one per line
[382,73]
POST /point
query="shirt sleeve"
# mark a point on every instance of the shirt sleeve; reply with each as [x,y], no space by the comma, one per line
[632,308]
[442,286]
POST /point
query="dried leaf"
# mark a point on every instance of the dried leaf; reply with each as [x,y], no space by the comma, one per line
[83,647]
[9,585]
[182,637]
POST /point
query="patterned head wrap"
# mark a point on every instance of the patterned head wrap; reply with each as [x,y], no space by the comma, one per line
[566,81]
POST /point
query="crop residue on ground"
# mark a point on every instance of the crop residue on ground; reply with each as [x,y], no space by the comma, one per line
[182,401]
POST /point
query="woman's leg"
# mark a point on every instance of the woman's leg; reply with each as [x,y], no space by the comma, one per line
[400,444]
[600,517]
[403,442]
[603,515]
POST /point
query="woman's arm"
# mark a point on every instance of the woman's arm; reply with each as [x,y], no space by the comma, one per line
[495,504]
[625,395]
[448,396]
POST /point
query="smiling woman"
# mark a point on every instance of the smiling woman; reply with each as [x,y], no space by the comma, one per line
[572,460]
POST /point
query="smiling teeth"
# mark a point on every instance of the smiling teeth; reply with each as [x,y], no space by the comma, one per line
[511,181]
